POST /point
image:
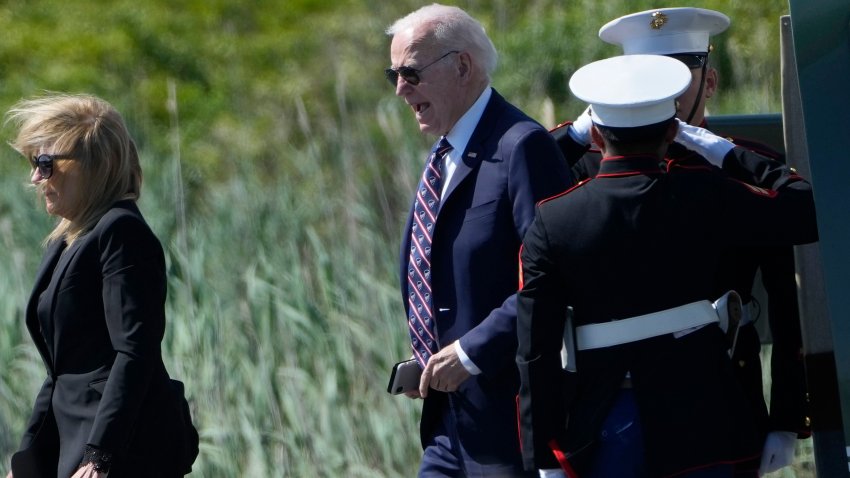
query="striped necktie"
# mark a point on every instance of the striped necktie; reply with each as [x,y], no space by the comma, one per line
[423,331]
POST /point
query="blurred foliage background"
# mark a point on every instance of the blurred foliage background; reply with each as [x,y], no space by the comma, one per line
[279,167]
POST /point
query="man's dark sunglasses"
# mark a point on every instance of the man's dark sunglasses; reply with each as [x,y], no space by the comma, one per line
[691,60]
[44,163]
[410,75]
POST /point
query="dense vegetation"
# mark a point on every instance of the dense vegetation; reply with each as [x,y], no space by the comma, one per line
[279,166]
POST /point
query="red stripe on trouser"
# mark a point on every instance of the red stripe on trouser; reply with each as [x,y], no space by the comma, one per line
[562,459]
[518,423]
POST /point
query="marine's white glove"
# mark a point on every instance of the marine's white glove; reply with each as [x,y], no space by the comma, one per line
[703,142]
[778,451]
[552,473]
[579,131]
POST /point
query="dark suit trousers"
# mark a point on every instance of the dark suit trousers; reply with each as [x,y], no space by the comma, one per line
[445,456]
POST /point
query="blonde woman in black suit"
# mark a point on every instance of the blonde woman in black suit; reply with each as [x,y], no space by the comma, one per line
[96,312]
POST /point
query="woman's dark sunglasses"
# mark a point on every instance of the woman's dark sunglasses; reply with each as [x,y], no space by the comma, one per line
[410,75]
[44,163]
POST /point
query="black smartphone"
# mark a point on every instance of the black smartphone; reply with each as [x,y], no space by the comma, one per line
[404,377]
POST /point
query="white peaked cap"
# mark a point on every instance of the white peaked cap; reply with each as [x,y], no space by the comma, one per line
[665,31]
[631,90]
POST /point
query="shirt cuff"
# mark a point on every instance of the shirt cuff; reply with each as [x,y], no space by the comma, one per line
[576,136]
[468,364]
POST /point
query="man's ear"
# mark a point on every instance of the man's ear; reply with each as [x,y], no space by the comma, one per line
[672,131]
[710,83]
[464,66]
[597,138]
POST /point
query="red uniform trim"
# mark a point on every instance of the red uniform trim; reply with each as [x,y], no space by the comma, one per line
[633,172]
[518,423]
[579,184]
[562,459]
[769,193]
[677,163]
[626,174]
[707,465]
[521,283]
[561,125]
[756,147]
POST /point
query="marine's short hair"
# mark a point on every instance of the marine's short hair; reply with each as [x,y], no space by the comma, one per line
[650,134]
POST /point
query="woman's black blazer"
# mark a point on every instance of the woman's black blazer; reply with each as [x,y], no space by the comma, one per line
[97,316]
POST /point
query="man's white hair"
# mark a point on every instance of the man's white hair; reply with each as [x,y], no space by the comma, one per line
[452,29]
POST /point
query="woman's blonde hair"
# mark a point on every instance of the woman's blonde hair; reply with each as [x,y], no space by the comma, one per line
[93,134]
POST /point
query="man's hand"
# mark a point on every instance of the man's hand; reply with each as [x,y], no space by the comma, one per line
[444,372]
[413,394]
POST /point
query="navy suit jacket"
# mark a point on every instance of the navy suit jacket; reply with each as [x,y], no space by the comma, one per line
[509,164]
[97,317]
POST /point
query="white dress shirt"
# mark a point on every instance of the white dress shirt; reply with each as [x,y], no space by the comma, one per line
[459,137]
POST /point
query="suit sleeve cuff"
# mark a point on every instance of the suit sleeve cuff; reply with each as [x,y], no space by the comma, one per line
[101,459]
[468,364]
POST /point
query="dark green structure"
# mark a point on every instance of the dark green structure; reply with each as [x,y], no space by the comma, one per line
[821,45]
[814,132]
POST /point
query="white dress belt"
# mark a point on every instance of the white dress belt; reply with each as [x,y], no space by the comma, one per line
[608,334]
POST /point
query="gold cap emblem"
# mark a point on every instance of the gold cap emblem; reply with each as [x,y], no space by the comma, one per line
[658,20]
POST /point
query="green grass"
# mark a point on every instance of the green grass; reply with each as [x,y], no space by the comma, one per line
[296,171]
[282,324]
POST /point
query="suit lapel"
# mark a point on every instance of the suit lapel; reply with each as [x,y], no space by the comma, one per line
[476,149]
[42,281]
[48,280]
[475,152]
[48,263]
[64,261]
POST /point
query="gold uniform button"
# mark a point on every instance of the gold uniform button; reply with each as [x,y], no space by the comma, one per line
[741,363]
[808,422]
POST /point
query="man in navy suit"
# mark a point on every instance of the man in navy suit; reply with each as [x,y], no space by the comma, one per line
[494,163]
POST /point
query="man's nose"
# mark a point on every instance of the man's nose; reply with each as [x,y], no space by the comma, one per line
[402,87]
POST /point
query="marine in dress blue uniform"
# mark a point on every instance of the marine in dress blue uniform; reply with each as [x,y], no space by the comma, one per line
[684,33]
[639,238]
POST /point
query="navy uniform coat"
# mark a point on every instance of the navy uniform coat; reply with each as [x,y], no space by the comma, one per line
[634,240]
[789,407]
[759,165]
[510,163]
[96,315]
